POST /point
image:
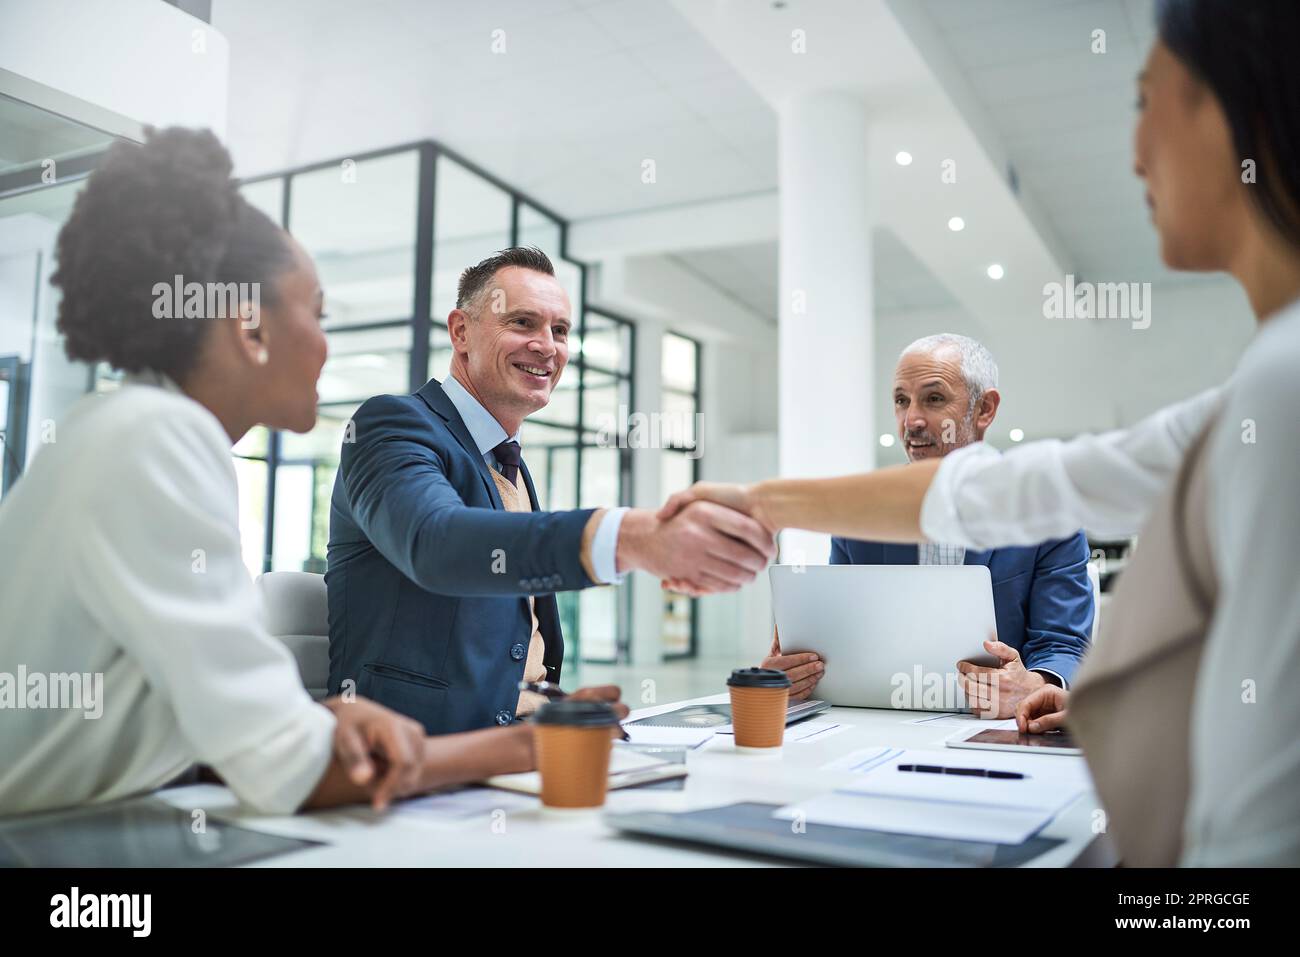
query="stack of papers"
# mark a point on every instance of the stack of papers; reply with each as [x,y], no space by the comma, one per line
[959,807]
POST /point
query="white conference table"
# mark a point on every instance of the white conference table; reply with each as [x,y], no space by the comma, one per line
[534,836]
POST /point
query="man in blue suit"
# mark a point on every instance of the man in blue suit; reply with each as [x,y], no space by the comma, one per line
[946,397]
[441,568]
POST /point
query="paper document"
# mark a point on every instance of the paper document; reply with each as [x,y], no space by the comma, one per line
[966,720]
[806,732]
[626,768]
[1045,785]
[959,823]
[686,737]
[463,805]
[862,760]
[802,731]
[882,797]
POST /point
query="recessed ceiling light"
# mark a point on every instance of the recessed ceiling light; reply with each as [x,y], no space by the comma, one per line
[996,271]
[956,224]
[1017,435]
[903,158]
[887,440]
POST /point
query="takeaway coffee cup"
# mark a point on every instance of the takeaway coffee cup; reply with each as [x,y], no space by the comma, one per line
[758,701]
[573,741]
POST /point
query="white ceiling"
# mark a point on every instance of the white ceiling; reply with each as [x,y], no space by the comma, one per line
[1065,115]
[586,90]
[748,273]
[1059,115]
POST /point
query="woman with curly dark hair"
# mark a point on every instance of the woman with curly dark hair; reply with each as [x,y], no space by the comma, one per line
[128,576]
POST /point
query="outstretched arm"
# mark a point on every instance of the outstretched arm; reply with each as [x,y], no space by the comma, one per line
[979,498]
[403,500]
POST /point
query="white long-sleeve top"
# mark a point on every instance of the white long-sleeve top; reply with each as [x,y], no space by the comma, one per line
[120,552]
[1106,484]
[1245,750]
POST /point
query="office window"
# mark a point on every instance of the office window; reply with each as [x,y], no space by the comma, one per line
[607,344]
[40,382]
[357,219]
[603,353]
[268,196]
[251,470]
[361,218]
[471,221]
[679,467]
[538,229]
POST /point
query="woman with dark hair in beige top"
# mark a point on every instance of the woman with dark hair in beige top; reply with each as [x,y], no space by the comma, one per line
[1186,708]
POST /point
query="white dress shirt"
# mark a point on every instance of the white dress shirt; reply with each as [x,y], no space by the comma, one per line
[936,553]
[1245,799]
[121,558]
[488,433]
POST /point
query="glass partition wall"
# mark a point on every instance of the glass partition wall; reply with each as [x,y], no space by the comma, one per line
[391,232]
[44,160]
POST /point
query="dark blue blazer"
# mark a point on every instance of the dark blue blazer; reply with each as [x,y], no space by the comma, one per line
[1042,598]
[428,574]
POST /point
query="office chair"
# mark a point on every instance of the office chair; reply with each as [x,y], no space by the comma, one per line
[295,611]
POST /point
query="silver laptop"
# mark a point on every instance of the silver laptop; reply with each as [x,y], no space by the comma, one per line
[891,635]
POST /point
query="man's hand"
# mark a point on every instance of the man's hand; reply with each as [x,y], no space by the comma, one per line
[702,549]
[1043,710]
[609,693]
[371,742]
[805,669]
[995,692]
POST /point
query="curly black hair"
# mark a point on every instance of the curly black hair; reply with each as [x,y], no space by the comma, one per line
[148,214]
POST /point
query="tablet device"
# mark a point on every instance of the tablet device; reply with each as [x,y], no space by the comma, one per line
[890,635]
[137,832]
[751,828]
[992,739]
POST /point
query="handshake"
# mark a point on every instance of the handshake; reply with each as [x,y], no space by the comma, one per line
[710,538]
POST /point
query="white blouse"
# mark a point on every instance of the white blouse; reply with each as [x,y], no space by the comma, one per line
[1245,801]
[120,547]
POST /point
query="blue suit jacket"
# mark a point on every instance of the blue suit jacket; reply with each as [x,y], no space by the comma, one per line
[1042,598]
[428,573]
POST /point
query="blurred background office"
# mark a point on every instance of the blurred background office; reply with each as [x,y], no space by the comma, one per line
[754,205]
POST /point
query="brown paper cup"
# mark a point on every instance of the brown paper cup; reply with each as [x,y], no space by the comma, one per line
[574,763]
[758,716]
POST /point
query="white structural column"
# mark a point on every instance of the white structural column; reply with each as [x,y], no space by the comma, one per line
[827,388]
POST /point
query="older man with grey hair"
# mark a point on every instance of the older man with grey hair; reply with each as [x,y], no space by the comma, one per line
[945,395]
